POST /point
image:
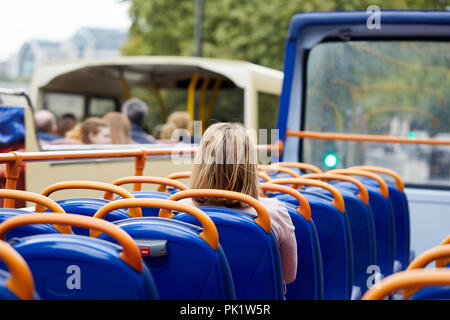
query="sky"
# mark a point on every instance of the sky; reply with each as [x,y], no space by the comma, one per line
[23,20]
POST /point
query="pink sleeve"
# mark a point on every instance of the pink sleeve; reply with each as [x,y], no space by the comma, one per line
[288,245]
[284,231]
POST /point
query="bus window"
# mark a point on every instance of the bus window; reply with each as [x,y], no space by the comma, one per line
[62,103]
[389,88]
[98,107]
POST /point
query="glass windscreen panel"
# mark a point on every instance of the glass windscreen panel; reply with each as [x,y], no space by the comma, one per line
[389,88]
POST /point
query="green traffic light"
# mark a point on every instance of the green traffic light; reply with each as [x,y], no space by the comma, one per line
[330,160]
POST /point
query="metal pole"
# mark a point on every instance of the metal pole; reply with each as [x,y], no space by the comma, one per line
[198,37]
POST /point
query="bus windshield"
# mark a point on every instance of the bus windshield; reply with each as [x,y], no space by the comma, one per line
[386,88]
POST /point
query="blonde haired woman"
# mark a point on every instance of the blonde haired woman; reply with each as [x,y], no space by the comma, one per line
[226,159]
[120,127]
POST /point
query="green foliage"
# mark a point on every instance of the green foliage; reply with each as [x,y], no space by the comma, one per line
[251,30]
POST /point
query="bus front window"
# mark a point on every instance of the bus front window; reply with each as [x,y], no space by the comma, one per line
[385,88]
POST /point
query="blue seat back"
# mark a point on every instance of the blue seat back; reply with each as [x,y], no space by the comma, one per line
[78,267]
[88,207]
[190,269]
[335,243]
[150,212]
[432,293]
[400,208]
[253,254]
[384,226]
[362,226]
[308,284]
[27,230]
[5,293]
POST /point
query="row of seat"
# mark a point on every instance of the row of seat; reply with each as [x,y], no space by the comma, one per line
[339,228]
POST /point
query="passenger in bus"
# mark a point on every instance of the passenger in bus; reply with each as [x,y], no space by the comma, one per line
[226,159]
[136,110]
[178,128]
[120,127]
[45,123]
[95,131]
[65,123]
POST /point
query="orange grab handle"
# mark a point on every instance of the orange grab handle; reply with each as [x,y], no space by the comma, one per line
[263,219]
[338,200]
[303,206]
[179,175]
[93,185]
[440,254]
[41,200]
[21,280]
[413,280]
[398,181]
[383,189]
[264,175]
[299,165]
[130,253]
[267,167]
[209,233]
[363,194]
[163,182]
[446,240]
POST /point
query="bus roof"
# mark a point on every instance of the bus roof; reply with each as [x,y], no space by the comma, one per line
[101,77]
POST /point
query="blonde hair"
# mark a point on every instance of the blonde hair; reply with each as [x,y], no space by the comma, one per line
[120,127]
[181,120]
[226,159]
[91,125]
[74,134]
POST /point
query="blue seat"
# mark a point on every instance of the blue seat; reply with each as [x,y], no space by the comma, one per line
[361,224]
[334,236]
[308,284]
[382,213]
[162,193]
[89,206]
[248,242]
[440,293]
[67,266]
[27,230]
[17,282]
[401,213]
[185,266]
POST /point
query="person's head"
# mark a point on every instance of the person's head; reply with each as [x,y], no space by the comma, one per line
[45,121]
[120,127]
[136,110]
[181,120]
[75,134]
[226,159]
[65,123]
[95,131]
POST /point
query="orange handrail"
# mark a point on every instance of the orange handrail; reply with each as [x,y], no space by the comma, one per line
[338,200]
[179,175]
[440,253]
[268,167]
[92,185]
[398,181]
[299,165]
[413,280]
[130,253]
[163,182]
[209,233]
[383,189]
[363,137]
[263,218]
[303,206]
[38,199]
[362,194]
[21,281]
